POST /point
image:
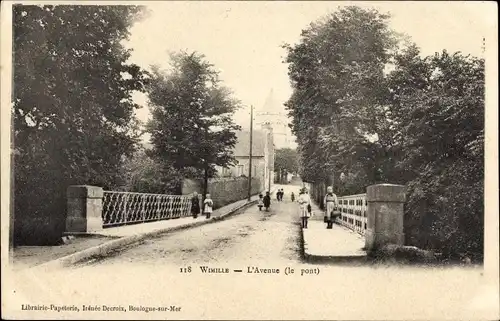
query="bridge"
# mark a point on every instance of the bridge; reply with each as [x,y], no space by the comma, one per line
[366,223]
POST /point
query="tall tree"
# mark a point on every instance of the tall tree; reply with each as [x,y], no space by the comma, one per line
[440,121]
[192,126]
[286,161]
[337,73]
[72,107]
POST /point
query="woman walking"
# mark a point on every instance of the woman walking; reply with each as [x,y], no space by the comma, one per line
[305,207]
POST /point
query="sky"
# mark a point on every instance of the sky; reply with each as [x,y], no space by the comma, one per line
[243,39]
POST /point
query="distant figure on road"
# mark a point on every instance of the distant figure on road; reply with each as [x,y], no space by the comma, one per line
[278,195]
[267,201]
[208,204]
[282,194]
[330,203]
[292,196]
[260,202]
[305,206]
[195,205]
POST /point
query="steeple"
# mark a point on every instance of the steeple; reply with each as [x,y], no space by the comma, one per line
[271,106]
[272,118]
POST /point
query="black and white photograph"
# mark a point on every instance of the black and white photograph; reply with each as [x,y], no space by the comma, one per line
[249,160]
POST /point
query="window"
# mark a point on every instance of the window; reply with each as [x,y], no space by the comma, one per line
[226,172]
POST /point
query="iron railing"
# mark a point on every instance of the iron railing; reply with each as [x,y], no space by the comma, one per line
[353,212]
[120,208]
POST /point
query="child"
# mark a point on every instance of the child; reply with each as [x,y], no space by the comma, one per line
[267,201]
[260,202]
[208,204]
[305,207]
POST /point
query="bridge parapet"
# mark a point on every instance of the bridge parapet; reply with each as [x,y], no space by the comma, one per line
[352,210]
[120,208]
[378,214]
[90,208]
[385,215]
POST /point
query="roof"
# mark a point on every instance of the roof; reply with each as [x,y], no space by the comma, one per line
[271,105]
[242,147]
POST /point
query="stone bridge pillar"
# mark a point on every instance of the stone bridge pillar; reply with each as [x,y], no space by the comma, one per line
[84,211]
[384,215]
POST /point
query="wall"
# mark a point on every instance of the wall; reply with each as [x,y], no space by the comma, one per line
[223,190]
[257,162]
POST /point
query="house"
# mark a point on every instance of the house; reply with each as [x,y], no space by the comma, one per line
[262,156]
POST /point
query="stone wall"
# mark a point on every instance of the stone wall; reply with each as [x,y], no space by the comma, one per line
[223,190]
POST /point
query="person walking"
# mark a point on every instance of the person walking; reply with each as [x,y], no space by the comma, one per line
[292,197]
[305,207]
[267,201]
[330,203]
[282,194]
[260,202]
[207,206]
[195,205]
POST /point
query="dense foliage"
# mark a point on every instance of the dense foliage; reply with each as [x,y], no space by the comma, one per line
[286,161]
[367,109]
[192,128]
[72,108]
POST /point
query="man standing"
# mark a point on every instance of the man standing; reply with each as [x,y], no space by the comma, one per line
[330,203]
[195,205]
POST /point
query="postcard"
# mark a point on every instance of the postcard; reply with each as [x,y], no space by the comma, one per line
[249,160]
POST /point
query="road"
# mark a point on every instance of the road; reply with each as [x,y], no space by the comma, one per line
[166,272]
[247,238]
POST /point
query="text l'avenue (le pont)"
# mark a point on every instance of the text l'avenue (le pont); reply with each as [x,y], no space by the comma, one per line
[204,269]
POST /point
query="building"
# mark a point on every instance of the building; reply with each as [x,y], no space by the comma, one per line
[262,156]
[274,114]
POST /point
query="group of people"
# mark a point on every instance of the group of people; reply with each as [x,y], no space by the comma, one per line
[196,209]
[264,201]
[330,204]
[304,200]
[279,195]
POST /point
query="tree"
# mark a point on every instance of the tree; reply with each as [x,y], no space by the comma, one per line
[421,124]
[143,174]
[286,161]
[337,75]
[191,125]
[72,108]
[440,100]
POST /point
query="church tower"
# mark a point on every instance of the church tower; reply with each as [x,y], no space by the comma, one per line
[272,114]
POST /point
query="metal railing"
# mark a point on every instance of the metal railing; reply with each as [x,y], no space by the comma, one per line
[120,208]
[353,212]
